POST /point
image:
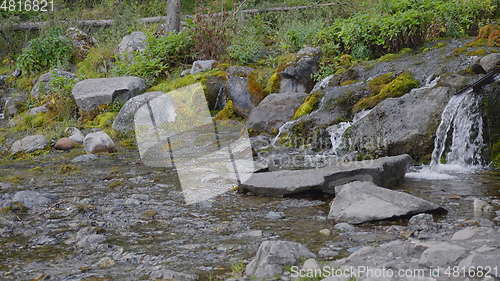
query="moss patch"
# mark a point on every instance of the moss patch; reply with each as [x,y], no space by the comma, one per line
[227,112]
[377,83]
[396,88]
[490,34]
[479,52]
[310,103]
[258,84]
[103,120]
[348,82]
[478,43]
[176,83]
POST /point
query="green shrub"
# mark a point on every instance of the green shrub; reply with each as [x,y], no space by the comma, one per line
[294,35]
[48,51]
[247,44]
[97,64]
[160,55]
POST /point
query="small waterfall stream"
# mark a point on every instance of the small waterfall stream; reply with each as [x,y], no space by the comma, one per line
[337,131]
[461,121]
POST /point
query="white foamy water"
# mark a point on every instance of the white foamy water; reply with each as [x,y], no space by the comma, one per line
[337,131]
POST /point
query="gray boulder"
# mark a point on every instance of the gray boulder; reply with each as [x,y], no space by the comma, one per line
[359,202]
[387,172]
[166,274]
[272,256]
[239,71]
[38,109]
[91,93]
[13,101]
[135,41]
[237,91]
[490,62]
[400,125]
[74,134]
[98,142]
[298,76]
[43,83]
[31,199]
[84,158]
[124,121]
[29,144]
[273,111]
[202,66]
[440,254]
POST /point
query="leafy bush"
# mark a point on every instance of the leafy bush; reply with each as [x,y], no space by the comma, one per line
[49,51]
[294,35]
[394,24]
[160,55]
[247,45]
[97,64]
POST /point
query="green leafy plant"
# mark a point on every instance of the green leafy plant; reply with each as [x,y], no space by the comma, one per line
[45,52]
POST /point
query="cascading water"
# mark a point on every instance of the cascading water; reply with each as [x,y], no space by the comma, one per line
[337,131]
[462,121]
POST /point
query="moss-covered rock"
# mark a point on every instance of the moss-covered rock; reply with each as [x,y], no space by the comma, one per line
[396,88]
[310,104]
[377,83]
[260,83]
[227,112]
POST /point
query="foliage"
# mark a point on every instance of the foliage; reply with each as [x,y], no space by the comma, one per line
[396,24]
[260,83]
[227,112]
[296,34]
[210,35]
[58,99]
[247,45]
[48,51]
[395,88]
[160,55]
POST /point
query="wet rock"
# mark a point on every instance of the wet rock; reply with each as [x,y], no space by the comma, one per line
[64,144]
[482,208]
[98,142]
[84,158]
[273,255]
[165,274]
[74,134]
[422,226]
[38,109]
[490,62]
[274,111]
[29,144]
[440,254]
[275,215]
[400,125]
[91,93]
[31,199]
[344,227]
[387,171]
[239,71]
[298,76]
[202,66]
[134,42]
[237,91]
[360,202]
[82,42]
[124,121]
[42,85]
[483,257]
[464,234]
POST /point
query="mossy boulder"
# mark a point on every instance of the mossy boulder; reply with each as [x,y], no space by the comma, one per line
[395,88]
[261,82]
[310,104]
[227,112]
[297,76]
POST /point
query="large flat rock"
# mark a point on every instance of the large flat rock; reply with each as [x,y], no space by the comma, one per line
[360,202]
[386,171]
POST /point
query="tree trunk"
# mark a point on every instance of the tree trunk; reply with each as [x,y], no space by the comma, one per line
[173,22]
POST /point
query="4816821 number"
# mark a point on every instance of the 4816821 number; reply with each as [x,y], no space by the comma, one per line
[26,5]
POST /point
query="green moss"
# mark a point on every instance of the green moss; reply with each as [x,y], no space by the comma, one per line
[258,81]
[478,43]
[227,112]
[68,169]
[11,179]
[396,88]
[14,208]
[116,184]
[376,84]
[103,120]
[388,57]
[273,84]
[459,51]
[310,103]
[348,82]
[479,52]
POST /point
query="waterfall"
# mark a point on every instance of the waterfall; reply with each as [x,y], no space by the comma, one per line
[337,131]
[282,130]
[462,121]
